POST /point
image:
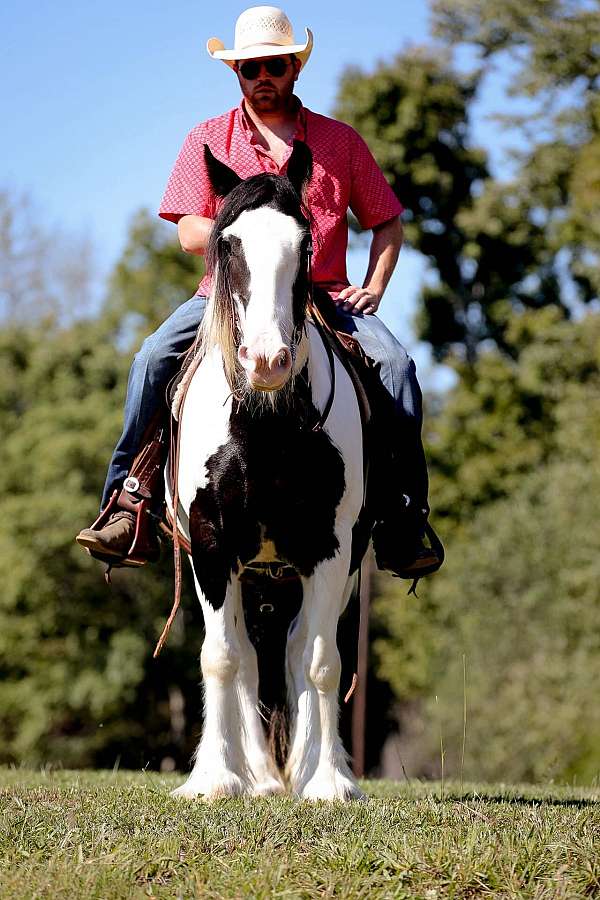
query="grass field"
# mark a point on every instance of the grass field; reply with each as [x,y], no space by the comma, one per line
[104,835]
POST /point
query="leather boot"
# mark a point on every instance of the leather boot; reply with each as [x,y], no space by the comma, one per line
[417,562]
[114,538]
[112,542]
[399,542]
[124,534]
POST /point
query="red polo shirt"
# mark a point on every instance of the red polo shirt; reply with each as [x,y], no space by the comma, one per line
[345,175]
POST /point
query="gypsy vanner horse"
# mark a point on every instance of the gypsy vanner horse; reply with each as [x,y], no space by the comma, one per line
[270,469]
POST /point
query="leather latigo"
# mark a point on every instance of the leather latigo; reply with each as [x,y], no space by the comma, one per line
[145,476]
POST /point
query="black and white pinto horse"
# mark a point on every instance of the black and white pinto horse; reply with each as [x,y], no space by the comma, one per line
[257,482]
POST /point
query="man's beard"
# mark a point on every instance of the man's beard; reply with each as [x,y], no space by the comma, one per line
[266,97]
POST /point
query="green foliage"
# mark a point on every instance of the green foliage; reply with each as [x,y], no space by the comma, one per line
[505,418]
[89,835]
[516,477]
[560,37]
[489,254]
[413,115]
[514,448]
[521,599]
[553,49]
[151,278]
[78,683]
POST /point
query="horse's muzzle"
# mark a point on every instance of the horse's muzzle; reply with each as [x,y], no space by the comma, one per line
[266,373]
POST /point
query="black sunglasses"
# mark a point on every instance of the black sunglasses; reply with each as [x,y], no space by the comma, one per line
[275,67]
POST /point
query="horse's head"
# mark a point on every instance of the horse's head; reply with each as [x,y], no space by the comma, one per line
[258,257]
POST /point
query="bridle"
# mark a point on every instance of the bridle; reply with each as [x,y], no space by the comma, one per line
[299,331]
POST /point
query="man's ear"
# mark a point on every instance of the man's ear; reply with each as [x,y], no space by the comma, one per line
[299,167]
[222,178]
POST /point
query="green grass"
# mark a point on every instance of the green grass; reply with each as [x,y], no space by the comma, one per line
[104,835]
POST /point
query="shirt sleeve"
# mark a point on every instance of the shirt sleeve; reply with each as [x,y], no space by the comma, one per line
[371,198]
[189,191]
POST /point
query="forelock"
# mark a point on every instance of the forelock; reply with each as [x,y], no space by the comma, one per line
[264,190]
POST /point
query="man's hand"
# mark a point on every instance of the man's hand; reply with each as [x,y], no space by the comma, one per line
[385,247]
[356,299]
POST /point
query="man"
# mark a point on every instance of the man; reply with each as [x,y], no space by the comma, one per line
[255,137]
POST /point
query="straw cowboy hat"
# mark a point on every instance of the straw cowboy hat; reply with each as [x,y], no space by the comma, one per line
[261,31]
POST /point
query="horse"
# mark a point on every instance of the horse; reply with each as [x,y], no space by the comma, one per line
[269,471]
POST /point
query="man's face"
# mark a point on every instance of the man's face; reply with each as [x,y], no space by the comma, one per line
[268,91]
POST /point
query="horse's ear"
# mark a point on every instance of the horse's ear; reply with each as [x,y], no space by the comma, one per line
[299,169]
[222,178]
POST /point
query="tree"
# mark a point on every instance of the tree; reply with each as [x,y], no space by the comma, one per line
[489,255]
[555,41]
[553,48]
[79,685]
[152,277]
[40,274]
[517,476]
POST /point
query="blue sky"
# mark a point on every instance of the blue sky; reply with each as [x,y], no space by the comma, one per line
[97,99]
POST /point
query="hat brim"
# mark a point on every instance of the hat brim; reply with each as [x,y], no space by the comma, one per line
[216,49]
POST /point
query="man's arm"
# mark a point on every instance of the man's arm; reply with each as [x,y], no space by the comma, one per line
[385,247]
[194,232]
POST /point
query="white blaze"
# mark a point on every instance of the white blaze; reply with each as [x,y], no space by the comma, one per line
[271,245]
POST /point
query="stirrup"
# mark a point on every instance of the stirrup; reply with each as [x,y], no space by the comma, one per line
[408,572]
[438,549]
[137,554]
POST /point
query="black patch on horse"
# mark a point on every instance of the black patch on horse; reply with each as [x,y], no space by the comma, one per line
[275,479]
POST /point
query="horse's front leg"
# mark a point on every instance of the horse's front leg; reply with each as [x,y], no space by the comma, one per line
[266,778]
[317,766]
[219,768]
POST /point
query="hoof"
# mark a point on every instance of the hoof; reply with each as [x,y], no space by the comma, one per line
[187,792]
[269,788]
[227,784]
[331,786]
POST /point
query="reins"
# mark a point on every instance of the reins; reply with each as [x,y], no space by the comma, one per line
[177,536]
[321,326]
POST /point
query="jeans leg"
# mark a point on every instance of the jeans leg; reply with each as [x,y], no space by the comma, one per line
[152,369]
[399,376]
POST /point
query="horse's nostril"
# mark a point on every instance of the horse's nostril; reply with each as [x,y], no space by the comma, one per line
[281,360]
[248,361]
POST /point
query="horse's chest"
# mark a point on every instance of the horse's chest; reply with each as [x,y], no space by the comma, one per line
[274,487]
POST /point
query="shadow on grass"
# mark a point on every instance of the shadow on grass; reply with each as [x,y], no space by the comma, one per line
[522,801]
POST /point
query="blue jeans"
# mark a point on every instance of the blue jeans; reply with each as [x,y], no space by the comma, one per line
[159,358]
